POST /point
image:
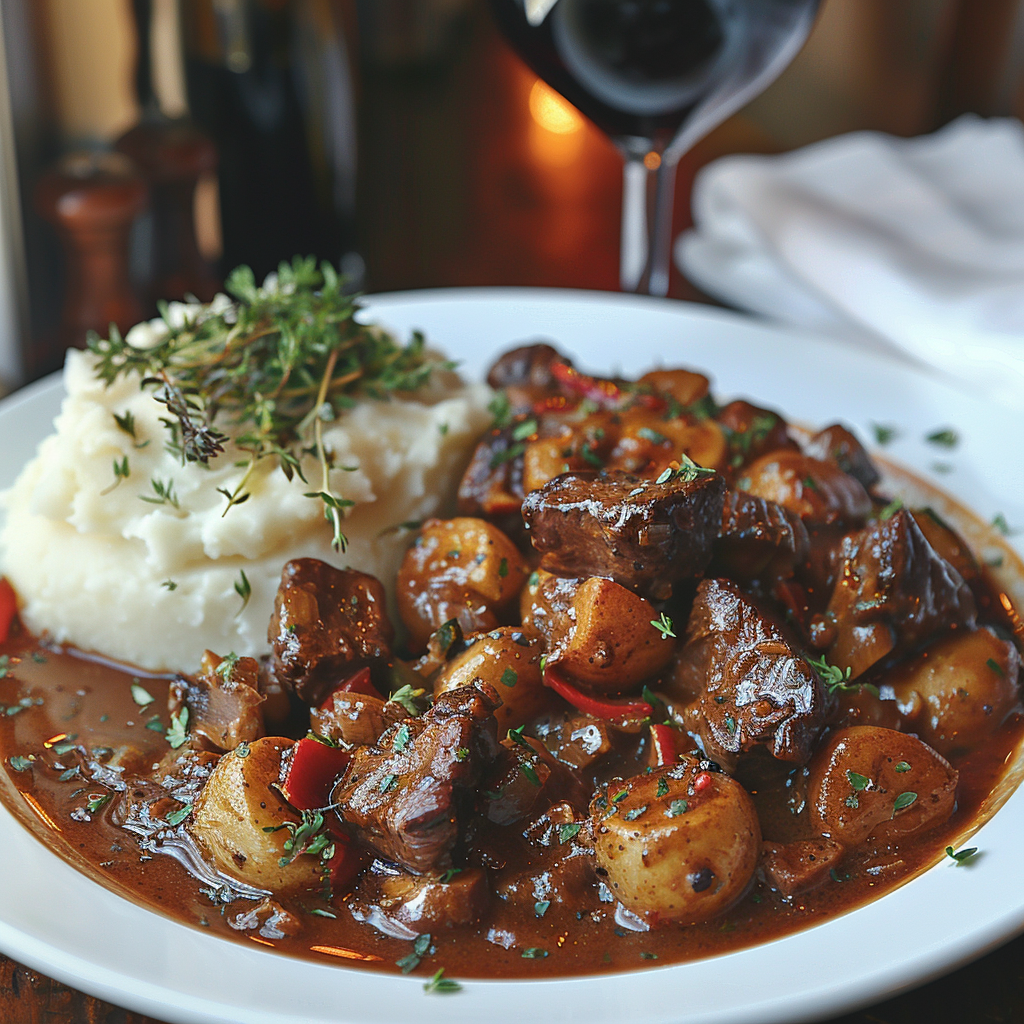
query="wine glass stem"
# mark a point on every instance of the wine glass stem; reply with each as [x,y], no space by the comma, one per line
[645,256]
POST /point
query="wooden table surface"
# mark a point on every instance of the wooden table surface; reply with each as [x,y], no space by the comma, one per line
[460,186]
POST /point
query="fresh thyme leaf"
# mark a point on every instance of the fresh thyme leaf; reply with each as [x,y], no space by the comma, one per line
[178,816]
[961,856]
[534,953]
[177,733]
[903,801]
[448,875]
[387,782]
[664,626]
[96,803]
[523,430]
[121,472]
[529,772]
[676,808]
[883,433]
[857,781]
[540,908]
[243,589]
[503,568]
[408,963]
[5,665]
[169,585]
[945,438]
[227,665]
[509,677]
[834,678]
[516,736]
[164,491]
[126,422]
[512,452]
[662,787]
[501,409]
[995,666]
[901,767]
[319,912]
[141,696]
[20,764]
[1000,523]
[461,753]
[439,983]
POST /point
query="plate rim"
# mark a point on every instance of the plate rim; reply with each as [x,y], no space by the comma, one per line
[808,1004]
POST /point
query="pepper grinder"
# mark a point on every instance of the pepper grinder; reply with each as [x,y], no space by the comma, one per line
[92,200]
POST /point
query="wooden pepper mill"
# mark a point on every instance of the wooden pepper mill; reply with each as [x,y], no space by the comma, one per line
[172,155]
[92,200]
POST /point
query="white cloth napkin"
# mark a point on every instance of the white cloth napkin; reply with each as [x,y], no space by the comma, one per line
[914,245]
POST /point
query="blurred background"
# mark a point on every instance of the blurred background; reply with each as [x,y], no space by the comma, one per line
[148,146]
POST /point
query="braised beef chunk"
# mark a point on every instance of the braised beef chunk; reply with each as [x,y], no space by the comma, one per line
[836,444]
[327,623]
[752,431]
[759,537]
[817,491]
[223,700]
[755,689]
[792,868]
[642,534]
[493,482]
[892,594]
[404,794]
[525,374]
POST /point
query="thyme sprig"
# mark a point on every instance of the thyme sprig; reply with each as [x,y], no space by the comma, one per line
[269,369]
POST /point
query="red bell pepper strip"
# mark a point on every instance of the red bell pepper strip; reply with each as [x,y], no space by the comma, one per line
[347,862]
[604,393]
[312,772]
[358,682]
[596,706]
[8,608]
[663,745]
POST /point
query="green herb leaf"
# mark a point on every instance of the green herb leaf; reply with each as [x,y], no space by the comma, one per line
[501,409]
[540,908]
[945,438]
[462,753]
[177,733]
[529,772]
[884,433]
[178,816]
[903,801]
[676,808]
[995,666]
[243,589]
[857,781]
[141,696]
[902,766]
[662,787]
[524,430]
[509,677]
[440,984]
[1000,523]
[401,740]
[19,763]
[169,585]
[961,856]
[568,831]
[664,626]
[97,802]
[387,782]
[634,813]
[534,953]
[890,510]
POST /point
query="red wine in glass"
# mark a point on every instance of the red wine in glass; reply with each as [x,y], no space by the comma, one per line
[656,76]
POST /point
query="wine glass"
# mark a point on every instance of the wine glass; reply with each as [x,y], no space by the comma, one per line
[656,76]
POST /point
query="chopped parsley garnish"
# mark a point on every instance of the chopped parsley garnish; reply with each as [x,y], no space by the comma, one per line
[534,953]
[688,471]
[961,856]
[523,430]
[387,782]
[20,764]
[503,568]
[178,816]
[448,875]
[662,787]
[462,753]
[226,668]
[169,585]
[401,740]
[835,679]
[509,677]
[651,435]
[97,802]
[141,696]
[407,696]
[890,510]
[884,433]
[945,438]
[513,451]
[540,908]
[902,766]
[1000,523]
[568,831]
[634,813]
[676,808]
[501,409]
[664,626]
[529,772]
[439,983]
[177,733]
[648,956]
[995,666]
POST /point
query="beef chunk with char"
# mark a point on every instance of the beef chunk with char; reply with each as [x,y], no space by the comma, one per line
[758,537]
[836,444]
[223,700]
[525,375]
[326,624]
[754,689]
[752,431]
[818,491]
[493,482]
[404,796]
[644,535]
[893,592]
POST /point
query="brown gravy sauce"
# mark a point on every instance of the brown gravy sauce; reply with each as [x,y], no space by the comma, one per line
[52,697]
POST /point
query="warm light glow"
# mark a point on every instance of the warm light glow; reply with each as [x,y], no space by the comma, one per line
[550,111]
[40,813]
[652,161]
[55,739]
[348,954]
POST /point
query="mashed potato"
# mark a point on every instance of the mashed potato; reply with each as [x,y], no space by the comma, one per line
[105,563]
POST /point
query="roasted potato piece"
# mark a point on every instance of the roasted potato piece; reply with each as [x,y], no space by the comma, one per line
[509,659]
[683,851]
[464,569]
[235,808]
[869,782]
[649,443]
[959,690]
[685,386]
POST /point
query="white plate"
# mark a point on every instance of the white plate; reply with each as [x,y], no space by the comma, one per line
[55,920]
